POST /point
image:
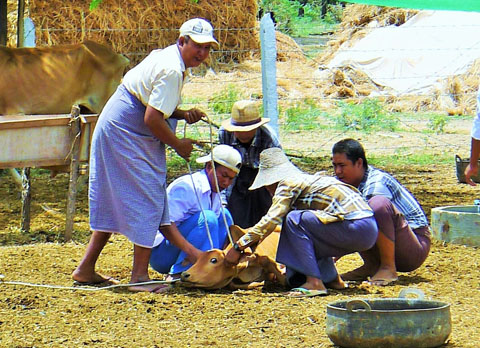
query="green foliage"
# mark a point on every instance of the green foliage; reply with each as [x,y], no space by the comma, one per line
[367,116]
[311,22]
[222,102]
[94,4]
[437,123]
[334,14]
[406,157]
[302,116]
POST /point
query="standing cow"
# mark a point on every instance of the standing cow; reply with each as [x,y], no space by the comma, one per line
[49,80]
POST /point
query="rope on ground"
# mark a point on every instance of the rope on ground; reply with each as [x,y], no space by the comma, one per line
[84,288]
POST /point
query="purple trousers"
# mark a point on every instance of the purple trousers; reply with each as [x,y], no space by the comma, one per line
[411,246]
[307,246]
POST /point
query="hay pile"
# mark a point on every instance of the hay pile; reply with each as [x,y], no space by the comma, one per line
[455,97]
[134,28]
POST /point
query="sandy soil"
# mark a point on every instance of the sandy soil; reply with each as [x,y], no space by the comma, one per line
[49,317]
[57,317]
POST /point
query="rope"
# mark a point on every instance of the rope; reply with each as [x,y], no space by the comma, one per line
[222,210]
[85,288]
[196,194]
[217,187]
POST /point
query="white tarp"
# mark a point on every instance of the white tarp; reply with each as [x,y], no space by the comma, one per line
[412,57]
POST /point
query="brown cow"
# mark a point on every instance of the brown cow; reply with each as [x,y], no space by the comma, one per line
[49,80]
[212,272]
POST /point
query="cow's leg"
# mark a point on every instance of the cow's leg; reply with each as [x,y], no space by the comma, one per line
[270,266]
[247,286]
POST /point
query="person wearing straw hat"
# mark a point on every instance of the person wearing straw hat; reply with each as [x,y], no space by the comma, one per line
[198,221]
[321,218]
[249,133]
[403,242]
[128,166]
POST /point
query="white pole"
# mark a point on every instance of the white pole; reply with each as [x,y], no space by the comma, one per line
[269,70]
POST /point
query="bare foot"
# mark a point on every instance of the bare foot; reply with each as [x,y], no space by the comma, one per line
[92,279]
[359,274]
[337,284]
[383,277]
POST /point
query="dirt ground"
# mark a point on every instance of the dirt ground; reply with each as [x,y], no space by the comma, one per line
[55,317]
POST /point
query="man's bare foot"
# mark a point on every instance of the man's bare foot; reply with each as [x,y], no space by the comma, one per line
[383,277]
[308,289]
[337,284]
[92,279]
[358,274]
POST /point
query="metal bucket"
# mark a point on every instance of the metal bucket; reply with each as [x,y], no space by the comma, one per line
[390,322]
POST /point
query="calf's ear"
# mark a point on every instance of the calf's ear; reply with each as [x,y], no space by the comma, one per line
[237,232]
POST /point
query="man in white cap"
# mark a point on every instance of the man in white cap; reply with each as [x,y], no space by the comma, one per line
[128,167]
[321,218]
[196,214]
[250,134]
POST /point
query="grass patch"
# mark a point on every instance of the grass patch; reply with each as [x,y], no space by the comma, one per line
[222,102]
[367,116]
[410,159]
[302,116]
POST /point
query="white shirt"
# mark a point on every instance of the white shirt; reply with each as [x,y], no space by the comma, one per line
[182,200]
[158,80]
[476,123]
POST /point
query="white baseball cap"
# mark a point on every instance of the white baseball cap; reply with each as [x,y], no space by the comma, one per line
[199,29]
[224,155]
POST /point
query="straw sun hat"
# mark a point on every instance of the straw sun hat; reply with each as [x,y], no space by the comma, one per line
[274,167]
[245,117]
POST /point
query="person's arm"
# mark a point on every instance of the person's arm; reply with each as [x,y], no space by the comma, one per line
[159,127]
[172,233]
[472,168]
[281,205]
[190,116]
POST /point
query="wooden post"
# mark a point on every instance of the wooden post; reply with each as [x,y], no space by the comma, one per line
[26,199]
[75,131]
[20,23]
[26,181]
[3,23]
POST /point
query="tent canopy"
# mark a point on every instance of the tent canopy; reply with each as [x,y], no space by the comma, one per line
[414,57]
[451,5]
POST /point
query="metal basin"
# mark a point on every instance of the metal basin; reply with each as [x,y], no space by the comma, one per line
[390,322]
[457,224]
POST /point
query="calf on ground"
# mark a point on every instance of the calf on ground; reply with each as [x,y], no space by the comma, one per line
[211,271]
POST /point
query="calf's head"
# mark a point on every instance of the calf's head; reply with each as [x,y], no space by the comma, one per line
[211,271]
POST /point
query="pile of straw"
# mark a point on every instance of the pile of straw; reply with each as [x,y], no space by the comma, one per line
[134,28]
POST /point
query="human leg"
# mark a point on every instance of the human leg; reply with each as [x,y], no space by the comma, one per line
[307,246]
[390,221]
[141,257]
[195,231]
[85,271]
